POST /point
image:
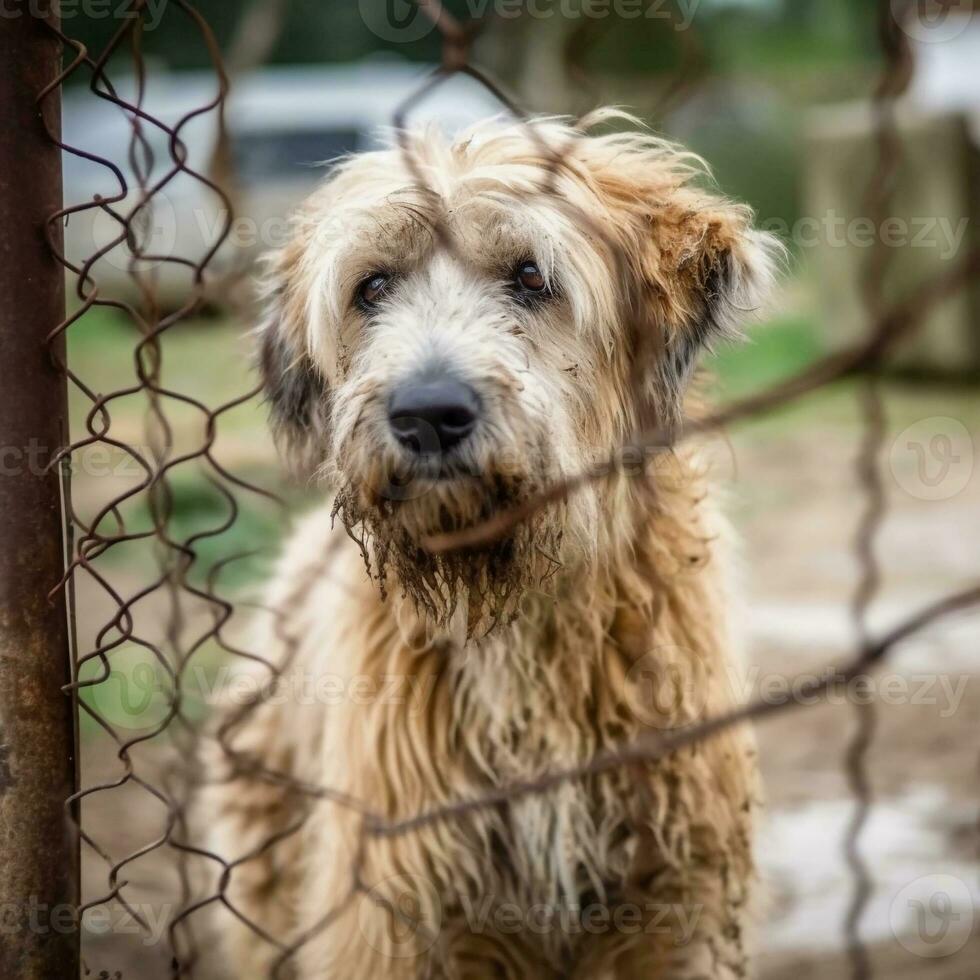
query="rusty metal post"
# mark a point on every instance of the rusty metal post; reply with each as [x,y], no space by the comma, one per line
[39,937]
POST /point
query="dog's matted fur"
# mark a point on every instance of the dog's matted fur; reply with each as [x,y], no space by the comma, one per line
[434,678]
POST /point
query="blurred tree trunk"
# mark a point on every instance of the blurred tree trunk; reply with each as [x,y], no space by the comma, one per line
[801,13]
[256,36]
[530,52]
[253,42]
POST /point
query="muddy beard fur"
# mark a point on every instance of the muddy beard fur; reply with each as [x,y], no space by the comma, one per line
[490,579]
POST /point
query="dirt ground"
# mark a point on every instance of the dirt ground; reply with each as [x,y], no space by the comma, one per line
[797,505]
[795,502]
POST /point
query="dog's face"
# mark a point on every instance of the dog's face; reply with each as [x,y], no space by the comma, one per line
[453,331]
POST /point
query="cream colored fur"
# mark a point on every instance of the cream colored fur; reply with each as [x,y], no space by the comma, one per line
[603,619]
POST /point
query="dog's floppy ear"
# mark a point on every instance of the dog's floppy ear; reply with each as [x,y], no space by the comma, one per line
[712,272]
[697,269]
[297,392]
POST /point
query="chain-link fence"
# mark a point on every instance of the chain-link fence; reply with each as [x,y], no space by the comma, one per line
[183,623]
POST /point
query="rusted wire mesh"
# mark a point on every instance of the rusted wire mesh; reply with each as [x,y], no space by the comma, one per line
[185,594]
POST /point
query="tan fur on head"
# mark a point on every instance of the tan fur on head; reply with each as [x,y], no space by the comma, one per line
[597,621]
[626,240]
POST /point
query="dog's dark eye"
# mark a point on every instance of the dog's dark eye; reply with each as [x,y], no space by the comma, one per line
[372,288]
[529,277]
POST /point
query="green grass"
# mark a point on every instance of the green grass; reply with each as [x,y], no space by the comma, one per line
[773,352]
[136,694]
[207,360]
[786,345]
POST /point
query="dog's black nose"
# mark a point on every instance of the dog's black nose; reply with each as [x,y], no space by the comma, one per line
[433,415]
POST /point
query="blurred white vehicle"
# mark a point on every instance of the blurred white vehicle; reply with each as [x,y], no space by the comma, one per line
[285,126]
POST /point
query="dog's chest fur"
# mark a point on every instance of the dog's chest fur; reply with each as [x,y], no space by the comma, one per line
[534,698]
[525,705]
[423,723]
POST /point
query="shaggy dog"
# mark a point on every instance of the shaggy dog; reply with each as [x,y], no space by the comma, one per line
[455,325]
